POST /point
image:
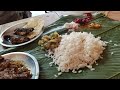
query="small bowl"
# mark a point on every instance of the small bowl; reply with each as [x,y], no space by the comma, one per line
[10,31]
[28,60]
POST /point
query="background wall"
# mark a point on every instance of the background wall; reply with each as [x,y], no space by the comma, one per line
[36,13]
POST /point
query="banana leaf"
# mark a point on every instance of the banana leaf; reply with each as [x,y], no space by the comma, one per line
[107,68]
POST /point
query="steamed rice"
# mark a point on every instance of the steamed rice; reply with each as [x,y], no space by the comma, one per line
[77,50]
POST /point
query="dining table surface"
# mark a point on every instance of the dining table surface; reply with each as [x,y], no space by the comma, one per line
[51,17]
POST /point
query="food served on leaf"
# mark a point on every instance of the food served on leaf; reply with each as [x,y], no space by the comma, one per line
[94,25]
[77,50]
[10,69]
[75,24]
[49,42]
[71,25]
[82,22]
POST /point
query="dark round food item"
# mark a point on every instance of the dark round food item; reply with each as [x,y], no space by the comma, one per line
[1,59]
[19,39]
[7,37]
[23,31]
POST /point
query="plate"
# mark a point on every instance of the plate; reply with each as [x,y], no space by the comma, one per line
[114,15]
[37,24]
[28,60]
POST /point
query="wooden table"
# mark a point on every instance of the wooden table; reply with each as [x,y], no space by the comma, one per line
[49,18]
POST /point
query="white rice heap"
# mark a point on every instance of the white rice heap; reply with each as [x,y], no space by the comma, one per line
[77,50]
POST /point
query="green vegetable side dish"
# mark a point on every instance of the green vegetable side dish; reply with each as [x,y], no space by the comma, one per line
[49,42]
[107,68]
